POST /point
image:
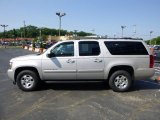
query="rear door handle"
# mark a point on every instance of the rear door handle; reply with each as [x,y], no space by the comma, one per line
[97,60]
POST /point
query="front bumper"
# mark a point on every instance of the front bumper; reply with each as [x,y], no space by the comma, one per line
[10,73]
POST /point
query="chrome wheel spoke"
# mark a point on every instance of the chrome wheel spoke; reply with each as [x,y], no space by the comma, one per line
[121,81]
[27,81]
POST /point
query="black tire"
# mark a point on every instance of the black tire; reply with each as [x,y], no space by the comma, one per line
[27,80]
[120,81]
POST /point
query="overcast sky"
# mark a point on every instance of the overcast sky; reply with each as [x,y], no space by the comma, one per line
[104,16]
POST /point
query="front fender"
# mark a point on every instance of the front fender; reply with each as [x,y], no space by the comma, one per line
[29,64]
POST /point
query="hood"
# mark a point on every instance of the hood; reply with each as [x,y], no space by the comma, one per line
[26,57]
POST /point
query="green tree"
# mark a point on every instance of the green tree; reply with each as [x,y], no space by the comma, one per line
[81,33]
[154,41]
[44,37]
[34,32]
[31,31]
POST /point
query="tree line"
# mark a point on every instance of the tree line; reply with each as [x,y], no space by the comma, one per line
[154,41]
[34,32]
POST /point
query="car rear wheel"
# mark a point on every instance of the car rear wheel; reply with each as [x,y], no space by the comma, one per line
[120,81]
[27,80]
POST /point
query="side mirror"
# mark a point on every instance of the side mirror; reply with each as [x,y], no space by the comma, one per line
[49,55]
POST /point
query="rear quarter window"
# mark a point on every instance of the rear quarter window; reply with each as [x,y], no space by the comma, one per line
[126,48]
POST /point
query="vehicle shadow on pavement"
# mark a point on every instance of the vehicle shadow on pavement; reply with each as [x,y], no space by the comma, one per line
[145,85]
[75,86]
[138,85]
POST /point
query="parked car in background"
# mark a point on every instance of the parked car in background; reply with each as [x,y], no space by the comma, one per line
[48,45]
[157,57]
[156,47]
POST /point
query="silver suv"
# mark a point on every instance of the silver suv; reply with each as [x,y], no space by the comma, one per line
[119,62]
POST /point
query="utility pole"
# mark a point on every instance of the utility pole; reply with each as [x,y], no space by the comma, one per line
[93,30]
[150,36]
[4,26]
[135,31]
[123,27]
[24,29]
[14,36]
[60,15]
[40,33]
[24,32]
[21,35]
[75,33]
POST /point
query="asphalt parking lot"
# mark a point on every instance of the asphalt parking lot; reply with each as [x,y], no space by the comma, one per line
[75,101]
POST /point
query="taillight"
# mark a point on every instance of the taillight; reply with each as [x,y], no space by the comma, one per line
[151,65]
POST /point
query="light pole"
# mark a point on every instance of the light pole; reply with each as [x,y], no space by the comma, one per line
[24,33]
[150,36]
[122,27]
[135,31]
[24,28]
[40,33]
[93,30]
[60,15]
[75,33]
[4,26]
[21,35]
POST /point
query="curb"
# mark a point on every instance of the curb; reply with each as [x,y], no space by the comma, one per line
[34,50]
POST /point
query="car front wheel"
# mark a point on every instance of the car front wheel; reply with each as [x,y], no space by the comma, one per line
[27,80]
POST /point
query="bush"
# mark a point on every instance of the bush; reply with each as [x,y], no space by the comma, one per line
[41,45]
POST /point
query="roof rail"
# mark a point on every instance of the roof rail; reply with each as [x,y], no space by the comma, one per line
[127,38]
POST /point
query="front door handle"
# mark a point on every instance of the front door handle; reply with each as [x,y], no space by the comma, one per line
[70,61]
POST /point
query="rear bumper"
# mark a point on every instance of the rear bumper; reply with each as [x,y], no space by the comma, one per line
[144,73]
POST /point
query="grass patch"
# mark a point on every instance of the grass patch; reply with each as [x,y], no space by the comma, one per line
[11,47]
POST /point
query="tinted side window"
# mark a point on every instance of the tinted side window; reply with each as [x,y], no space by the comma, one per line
[63,50]
[89,48]
[126,48]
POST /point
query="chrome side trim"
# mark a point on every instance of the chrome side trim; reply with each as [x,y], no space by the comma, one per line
[59,71]
[90,70]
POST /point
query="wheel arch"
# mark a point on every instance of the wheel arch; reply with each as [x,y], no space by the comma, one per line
[18,70]
[127,68]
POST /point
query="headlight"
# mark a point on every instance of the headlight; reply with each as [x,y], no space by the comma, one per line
[10,65]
